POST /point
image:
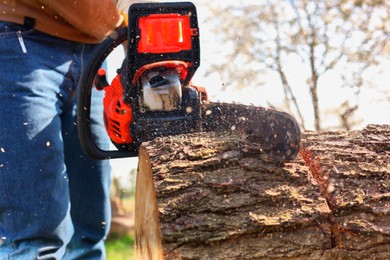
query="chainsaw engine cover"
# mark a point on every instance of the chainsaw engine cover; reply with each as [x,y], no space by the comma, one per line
[162,59]
[162,34]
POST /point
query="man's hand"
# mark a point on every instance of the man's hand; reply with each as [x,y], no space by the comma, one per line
[125,18]
[123,7]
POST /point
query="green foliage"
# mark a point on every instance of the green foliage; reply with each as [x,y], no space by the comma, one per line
[120,248]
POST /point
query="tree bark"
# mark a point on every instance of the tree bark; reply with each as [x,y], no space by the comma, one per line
[212,196]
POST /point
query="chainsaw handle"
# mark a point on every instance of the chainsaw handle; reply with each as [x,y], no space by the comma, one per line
[84,98]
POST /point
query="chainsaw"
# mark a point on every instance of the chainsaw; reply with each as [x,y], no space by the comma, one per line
[152,94]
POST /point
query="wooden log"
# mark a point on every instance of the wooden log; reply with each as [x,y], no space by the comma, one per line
[213,196]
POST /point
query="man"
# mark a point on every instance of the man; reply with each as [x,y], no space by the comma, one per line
[54,201]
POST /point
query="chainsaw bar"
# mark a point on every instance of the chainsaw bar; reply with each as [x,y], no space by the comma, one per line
[277,132]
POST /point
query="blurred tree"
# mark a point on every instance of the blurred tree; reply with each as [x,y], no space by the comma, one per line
[343,37]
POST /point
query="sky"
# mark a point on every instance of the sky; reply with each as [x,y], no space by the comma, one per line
[373,107]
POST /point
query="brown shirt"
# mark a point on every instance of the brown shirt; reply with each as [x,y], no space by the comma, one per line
[87,21]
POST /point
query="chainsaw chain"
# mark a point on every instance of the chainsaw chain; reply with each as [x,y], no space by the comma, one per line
[278,132]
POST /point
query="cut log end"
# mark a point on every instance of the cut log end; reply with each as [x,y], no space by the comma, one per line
[213,196]
[147,227]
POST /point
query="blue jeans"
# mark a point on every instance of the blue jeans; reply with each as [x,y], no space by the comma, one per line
[54,201]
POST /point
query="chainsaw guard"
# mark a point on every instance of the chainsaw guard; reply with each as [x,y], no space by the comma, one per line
[84,98]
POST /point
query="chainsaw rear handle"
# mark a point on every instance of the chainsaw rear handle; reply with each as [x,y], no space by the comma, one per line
[84,98]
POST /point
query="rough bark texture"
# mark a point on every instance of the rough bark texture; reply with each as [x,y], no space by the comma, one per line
[212,196]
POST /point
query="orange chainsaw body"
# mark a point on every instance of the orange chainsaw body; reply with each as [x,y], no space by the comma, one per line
[153,88]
